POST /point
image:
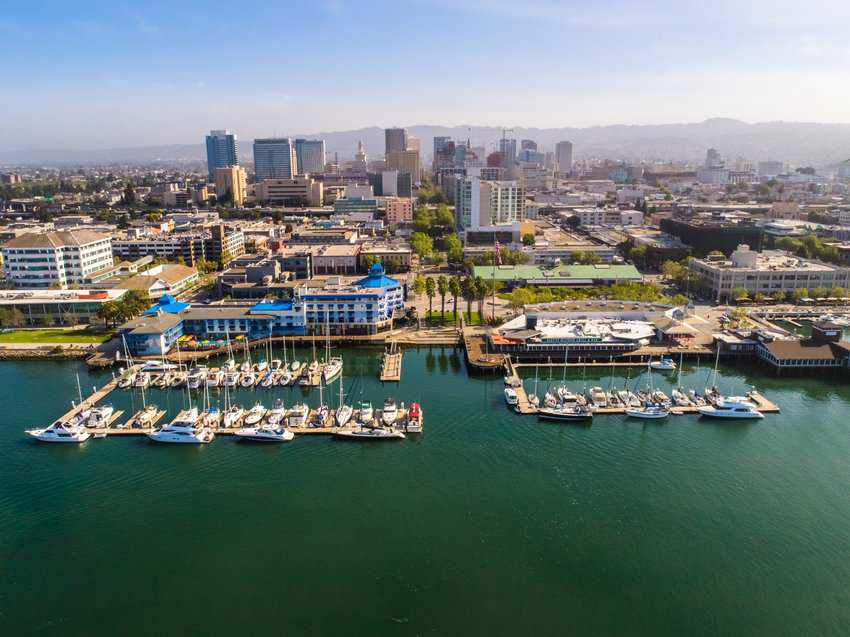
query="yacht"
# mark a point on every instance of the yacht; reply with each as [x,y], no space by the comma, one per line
[333,368]
[343,415]
[389,414]
[197,377]
[369,433]
[232,416]
[367,414]
[276,414]
[298,415]
[575,413]
[255,415]
[185,429]
[99,416]
[664,364]
[731,407]
[597,395]
[265,433]
[61,432]
[215,377]
[650,412]
[510,396]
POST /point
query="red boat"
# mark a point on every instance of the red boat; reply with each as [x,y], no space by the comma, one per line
[413,412]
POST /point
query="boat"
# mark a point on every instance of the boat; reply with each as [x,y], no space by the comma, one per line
[664,364]
[231,377]
[565,412]
[197,376]
[277,413]
[367,414]
[268,379]
[248,379]
[276,363]
[651,411]
[60,431]
[320,416]
[127,379]
[284,378]
[738,407]
[343,411]
[210,417]
[261,367]
[143,379]
[255,414]
[215,377]
[549,400]
[333,368]
[389,414]
[178,378]
[265,433]
[369,433]
[511,396]
[146,417]
[679,398]
[598,397]
[511,381]
[298,415]
[295,366]
[99,416]
[185,428]
[158,367]
[232,416]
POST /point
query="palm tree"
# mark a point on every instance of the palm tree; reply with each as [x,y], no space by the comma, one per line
[467,289]
[480,294]
[454,290]
[442,288]
[430,292]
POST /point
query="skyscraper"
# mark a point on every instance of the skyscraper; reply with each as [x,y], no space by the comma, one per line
[564,157]
[507,147]
[396,140]
[275,158]
[310,155]
[528,144]
[444,153]
[406,162]
[713,158]
[222,151]
[231,185]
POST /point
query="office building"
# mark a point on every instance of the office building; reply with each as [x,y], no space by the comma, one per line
[481,204]
[398,209]
[300,191]
[222,151]
[444,153]
[310,156]
[389,183]
[396,140]
[231,185]
[275,158]
[528,144]
[55,259]
[507,148]
[564,157]
[770,169]
[406,162]
[713,158]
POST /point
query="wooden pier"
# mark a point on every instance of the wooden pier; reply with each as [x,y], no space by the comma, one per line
[92,400]
[391,365]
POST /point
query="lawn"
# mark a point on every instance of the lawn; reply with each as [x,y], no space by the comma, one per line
[448,318]
[55,335]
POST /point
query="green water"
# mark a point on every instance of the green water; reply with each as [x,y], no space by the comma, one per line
[489,523]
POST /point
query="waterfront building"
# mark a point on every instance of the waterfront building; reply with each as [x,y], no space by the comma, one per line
[55,259]
[222,151]
[310,156]
[167,278]
[561,275]
[58,307]
[766,272]
[231,184]
[275,158]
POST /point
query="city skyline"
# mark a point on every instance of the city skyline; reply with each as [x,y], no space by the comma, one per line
[108,76]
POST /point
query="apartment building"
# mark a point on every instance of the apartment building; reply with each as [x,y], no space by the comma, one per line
[398,209]
[55,259]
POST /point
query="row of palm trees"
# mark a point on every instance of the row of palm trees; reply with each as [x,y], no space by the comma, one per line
[467,287]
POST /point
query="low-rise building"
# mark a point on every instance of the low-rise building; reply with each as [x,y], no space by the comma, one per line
[562,275]
[398,209]
[168,278]
[57,307]
[55,259]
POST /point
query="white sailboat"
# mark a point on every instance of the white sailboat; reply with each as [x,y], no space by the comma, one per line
[343,411]
[255,415]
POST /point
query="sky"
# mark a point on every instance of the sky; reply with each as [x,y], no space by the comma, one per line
[98,74]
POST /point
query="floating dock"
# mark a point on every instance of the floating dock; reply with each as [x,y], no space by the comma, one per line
[391,365]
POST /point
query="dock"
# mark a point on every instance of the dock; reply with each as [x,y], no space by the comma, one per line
[92,399]
[391,365]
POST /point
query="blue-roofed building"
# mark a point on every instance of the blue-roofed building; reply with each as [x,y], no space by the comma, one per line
[166,304]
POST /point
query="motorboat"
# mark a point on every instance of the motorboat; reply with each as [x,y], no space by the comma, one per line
[143,379]
[215,378]
[343,415]
[414,417]
[231,377]
[389,414]
[197,377]
[369,433]
[232,416]
[265,433]
[650,412]
[248,379]
[99,416]
[566,412]
[333,368]
[255,415]
[277,413]
[367,414]
[185,428]
[511,396]
[158,367]
[739,407]
[60,431]
[664,364]
[298,415]
[598,397]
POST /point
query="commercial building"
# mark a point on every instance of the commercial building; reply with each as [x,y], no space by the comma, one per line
[231,184]
[310,156]
[395,140]
[222,151]
[708,233]
[275,158]
[766,272]
[300,191]
[398,209]
[560,275]
[57,307]
[168,278]
[481,204]
[406,162]
[55,259]
[564,157]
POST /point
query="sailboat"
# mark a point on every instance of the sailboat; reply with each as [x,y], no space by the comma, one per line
[320,416]
[533,398]
[232,414]
[343,411]
[333,365]
[651,410]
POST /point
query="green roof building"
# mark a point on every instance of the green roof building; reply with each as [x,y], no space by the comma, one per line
[563,275]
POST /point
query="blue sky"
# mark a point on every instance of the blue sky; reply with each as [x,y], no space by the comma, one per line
[106,74]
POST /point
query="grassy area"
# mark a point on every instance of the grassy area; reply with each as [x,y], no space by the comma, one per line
[448,319]
[55,335]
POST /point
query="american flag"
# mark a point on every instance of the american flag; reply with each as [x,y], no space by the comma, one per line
[498,253]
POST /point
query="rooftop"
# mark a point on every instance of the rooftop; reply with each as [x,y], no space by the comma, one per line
[560,274]
[58,239]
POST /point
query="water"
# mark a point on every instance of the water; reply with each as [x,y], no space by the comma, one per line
[488,524]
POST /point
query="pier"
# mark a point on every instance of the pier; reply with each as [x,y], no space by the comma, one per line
[391,365]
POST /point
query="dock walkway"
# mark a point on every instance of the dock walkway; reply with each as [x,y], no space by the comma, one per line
[391,365]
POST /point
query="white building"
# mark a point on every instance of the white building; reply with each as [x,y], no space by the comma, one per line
[481,204]
[564,157]
[55,259]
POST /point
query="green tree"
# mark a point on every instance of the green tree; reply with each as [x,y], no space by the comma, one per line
[455,291]
[443,289]
[418,285]
[520,297]
[672,269]
[528,239]
[819,293]
[638,255]
[421,244]
[467,289]
[759,297]
[481,289]
[430,292]
[778,297]
[454,248]
[740,294]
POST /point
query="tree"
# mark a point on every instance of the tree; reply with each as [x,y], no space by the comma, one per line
[421,244]
[638,255]
[455,291]
[838,292]
[819,293]
[444,218]
[672,269]
[799,294]
[520,297]
[467,289]
[528,239]
[430,292]
[442,288]
[740,294]
[481,289]
[418,285]
[778,297]
[759,297]
[454,249]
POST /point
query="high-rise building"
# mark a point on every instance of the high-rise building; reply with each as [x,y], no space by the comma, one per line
[564,157]
[275,158]
[528,144]
[222,151]
[231,183]
[507,147]
[310,156]
[444,153]
[396,140]
[405,162]
[487,204]
[712,158]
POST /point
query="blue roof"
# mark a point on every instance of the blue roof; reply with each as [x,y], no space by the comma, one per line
[167,304]
[377,278]
[272,306]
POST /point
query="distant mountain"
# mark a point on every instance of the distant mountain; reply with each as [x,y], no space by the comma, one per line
[802,143]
